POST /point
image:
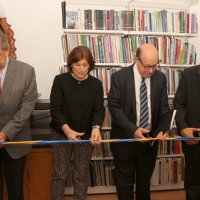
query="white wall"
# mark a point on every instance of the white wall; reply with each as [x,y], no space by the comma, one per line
[37,30]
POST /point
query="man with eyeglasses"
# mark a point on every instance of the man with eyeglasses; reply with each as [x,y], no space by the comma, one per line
[137,99]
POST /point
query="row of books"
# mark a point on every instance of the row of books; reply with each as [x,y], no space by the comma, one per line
[104,74]
[175,50]
[173,77]
[131,20]
[168,171]
[122,49]
[107,119]
[172,147]
[101,174]
[103,150]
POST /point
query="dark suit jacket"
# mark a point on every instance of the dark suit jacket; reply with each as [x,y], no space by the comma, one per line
[122,106]
[187,99]
[17,102]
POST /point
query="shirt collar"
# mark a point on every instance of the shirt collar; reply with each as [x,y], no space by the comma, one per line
[136,72]
[3,71]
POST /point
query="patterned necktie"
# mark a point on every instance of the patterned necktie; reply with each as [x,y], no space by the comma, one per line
[144,116]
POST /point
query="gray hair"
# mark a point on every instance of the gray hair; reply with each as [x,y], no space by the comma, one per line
[3,41]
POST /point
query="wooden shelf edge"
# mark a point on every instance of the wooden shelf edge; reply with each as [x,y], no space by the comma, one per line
[123,32]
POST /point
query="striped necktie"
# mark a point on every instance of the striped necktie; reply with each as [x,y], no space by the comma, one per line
[144,116]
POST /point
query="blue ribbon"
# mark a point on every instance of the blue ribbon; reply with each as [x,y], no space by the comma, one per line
[44,142]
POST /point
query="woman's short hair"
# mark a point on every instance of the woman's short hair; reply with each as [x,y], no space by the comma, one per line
[79,53]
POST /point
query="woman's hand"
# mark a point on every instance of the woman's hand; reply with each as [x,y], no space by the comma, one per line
[73,135]
[95,136]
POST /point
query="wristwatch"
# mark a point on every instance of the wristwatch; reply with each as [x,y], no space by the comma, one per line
[96,126]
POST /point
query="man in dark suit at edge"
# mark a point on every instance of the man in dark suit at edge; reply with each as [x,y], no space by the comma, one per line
[134,162]
[18,94]
[187,104]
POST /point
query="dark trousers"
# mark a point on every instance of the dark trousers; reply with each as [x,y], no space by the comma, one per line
[137,169]
[192,172]
[12,170]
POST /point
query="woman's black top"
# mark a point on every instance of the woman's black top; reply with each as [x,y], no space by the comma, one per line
[76,103]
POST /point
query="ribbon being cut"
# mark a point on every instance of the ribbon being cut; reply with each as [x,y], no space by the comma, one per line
[43,142]
[170,125]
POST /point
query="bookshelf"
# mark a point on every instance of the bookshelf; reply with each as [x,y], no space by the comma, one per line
[105,42]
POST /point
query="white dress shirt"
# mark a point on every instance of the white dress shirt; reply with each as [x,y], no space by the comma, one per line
[3,73]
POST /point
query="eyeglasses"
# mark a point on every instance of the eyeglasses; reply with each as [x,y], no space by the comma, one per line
[148,67]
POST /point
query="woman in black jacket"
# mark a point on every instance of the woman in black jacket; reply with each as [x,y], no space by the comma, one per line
[77,113]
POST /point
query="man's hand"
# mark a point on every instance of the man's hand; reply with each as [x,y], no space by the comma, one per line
[2,138]
[140,132]
[188,132]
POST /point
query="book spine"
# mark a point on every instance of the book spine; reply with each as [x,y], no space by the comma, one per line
[63,7]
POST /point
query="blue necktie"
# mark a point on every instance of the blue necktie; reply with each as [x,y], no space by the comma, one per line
[144,116]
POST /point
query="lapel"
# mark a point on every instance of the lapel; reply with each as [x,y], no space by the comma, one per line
[131,88]
[8,81]
[198,76]
[153,88]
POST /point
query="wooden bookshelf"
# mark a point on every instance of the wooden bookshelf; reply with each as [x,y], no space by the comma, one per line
[121,5]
